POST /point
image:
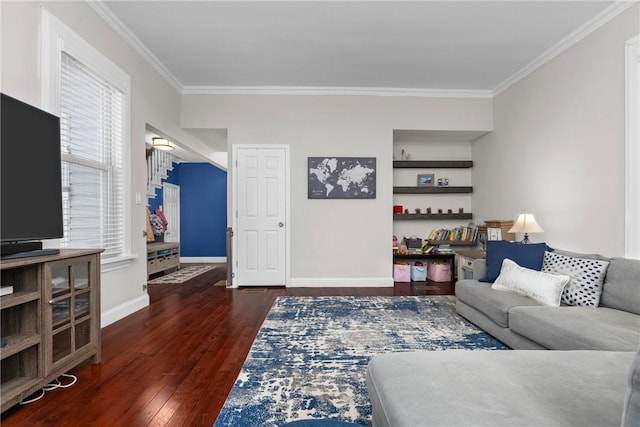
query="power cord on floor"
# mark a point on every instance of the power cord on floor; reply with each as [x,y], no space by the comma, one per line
[55,384]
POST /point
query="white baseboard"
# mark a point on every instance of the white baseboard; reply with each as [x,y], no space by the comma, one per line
[336,282]
[123,310]
[212,259]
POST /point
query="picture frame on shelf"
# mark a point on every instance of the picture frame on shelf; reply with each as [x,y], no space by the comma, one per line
[426,180]
[443,182]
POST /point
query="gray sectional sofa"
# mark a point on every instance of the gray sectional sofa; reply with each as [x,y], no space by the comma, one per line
[591,378]
[503,388]
[522,323]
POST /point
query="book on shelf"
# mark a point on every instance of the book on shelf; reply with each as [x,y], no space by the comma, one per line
[6,290]
[429,249]
[444,249]
[467,234]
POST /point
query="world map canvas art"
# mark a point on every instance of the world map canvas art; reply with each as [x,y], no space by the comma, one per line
[342,177]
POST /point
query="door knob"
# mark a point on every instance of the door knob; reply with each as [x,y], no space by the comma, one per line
[281,224]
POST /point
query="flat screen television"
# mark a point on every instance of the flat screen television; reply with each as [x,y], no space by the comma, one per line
[30,179]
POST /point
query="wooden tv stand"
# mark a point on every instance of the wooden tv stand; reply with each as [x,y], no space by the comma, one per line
[51,320]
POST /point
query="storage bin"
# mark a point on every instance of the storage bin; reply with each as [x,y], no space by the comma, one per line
[439,272]
[401,273]
[418,273]
[413,242]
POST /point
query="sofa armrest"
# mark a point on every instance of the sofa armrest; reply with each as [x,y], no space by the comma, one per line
[479,268]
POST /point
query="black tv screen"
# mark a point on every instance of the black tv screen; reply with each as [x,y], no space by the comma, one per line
[30,173]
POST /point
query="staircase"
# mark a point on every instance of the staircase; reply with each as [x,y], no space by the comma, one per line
[158,164]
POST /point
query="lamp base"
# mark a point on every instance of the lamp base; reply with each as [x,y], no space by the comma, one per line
[526,238]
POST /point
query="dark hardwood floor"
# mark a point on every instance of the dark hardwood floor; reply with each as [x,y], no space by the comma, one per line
[174,362]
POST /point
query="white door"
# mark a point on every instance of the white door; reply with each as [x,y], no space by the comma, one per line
[171,210]
[261,206]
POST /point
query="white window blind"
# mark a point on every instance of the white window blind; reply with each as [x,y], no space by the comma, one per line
[92,136]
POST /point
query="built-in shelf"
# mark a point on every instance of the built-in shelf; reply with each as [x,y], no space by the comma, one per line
[431,255]
[453,242]
[439,164]
[431,190]
[435,190]
[435,216]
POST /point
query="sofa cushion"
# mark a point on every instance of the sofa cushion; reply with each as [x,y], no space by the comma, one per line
[631,413]
[525,255]
[505,335]
[580,255]
[493,304]
[621,287]
[498,388]
[585,287]
[577,328]
[545,288]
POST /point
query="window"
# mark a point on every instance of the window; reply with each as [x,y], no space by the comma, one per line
[91,121]
[632,155]
[91,96]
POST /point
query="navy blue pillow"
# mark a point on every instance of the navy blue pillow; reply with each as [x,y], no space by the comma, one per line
[528,255]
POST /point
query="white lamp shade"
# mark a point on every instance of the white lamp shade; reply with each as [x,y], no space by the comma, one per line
[526,223]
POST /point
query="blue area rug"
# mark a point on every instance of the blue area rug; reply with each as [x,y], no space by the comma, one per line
[310,356]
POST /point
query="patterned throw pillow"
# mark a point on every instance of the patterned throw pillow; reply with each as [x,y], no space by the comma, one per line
[587,276]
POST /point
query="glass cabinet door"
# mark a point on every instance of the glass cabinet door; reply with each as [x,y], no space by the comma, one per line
[71,307]
[81,276]
[60,280]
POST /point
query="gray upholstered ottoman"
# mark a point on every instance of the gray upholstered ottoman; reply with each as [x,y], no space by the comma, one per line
[499,388]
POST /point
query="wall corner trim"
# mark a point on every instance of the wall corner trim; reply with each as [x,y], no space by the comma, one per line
[123,310]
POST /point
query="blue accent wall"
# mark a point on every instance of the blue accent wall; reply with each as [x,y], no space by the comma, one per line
[203,208]
[157,201]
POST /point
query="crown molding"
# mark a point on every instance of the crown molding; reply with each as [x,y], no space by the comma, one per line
[589,27]
[111,19]
[333,91]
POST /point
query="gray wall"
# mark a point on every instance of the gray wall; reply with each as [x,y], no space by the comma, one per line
[558,145]
[335,241]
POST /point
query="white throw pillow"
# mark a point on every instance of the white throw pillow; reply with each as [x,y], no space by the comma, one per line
[545,288]
[587,276]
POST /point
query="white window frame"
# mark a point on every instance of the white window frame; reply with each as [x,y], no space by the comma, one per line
[632,149]
[55,39]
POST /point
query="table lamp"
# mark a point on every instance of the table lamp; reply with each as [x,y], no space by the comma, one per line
[526,224]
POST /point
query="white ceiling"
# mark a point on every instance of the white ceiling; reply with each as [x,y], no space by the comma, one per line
[425,45]
[432,48]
